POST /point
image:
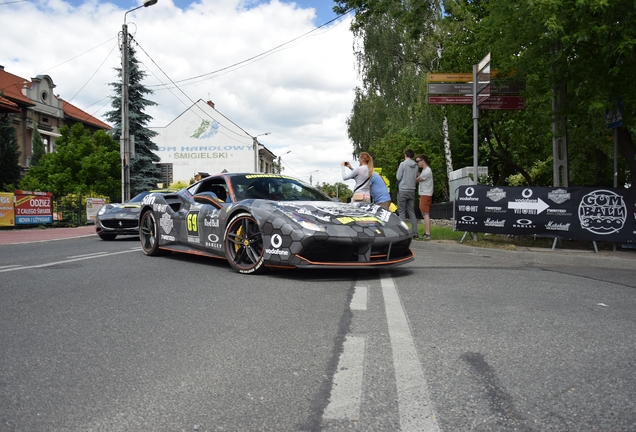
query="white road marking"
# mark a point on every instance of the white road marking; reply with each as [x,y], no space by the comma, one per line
[9,266]
[88,255]
[414,403]
[346,391]
[66,261]
[359,299]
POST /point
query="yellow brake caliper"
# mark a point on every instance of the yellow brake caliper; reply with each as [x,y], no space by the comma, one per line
[237,239]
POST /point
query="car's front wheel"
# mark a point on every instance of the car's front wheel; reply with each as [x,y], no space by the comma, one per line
[148,234]
[244,244]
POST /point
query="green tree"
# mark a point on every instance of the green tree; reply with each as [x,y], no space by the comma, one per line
[588,45]
[9,155]
[81,162]
[144,174]
[337,190]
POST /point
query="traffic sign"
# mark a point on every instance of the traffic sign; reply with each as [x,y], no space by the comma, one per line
[614,118]
[446,77]
[450,77]
[498,88]
[450,89]
[450,100]
[503,103]
[504,87]
[492,103]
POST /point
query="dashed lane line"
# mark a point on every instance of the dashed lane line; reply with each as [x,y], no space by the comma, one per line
[359,299]
[414,402]
[346,391]
[81,258]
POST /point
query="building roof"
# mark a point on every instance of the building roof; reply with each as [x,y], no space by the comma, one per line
[11,98]
[73,112]
[7,106]
[11,88]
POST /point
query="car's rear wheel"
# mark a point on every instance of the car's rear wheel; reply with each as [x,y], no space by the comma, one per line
[148,234]
[107,237]
[244,244]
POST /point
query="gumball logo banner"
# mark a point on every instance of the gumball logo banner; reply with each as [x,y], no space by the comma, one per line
[578,213]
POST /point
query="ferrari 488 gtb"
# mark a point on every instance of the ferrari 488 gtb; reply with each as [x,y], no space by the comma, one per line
[257,221]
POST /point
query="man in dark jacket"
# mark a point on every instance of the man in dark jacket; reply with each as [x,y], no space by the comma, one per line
[407,172]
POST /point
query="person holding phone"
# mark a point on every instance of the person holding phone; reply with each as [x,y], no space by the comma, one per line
[362,176]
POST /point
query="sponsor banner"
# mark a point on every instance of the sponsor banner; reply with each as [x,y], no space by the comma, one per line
[6,209]
[33,208]
[578,213]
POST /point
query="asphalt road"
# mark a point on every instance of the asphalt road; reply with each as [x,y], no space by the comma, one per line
[96,336]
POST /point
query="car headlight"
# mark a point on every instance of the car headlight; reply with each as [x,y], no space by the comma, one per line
[103,210]
[303,222]
[311,225]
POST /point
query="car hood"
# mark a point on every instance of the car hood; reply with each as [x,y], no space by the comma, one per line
[335,212]
[118,207]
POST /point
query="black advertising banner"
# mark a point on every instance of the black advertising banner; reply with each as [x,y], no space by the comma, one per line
[578,213]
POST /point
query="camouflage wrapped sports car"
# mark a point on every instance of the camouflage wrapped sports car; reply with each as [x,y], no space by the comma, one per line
[257,221]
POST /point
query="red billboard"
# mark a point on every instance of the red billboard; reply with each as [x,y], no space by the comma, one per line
[33,208]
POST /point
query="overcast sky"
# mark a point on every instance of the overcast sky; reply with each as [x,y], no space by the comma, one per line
[301,91]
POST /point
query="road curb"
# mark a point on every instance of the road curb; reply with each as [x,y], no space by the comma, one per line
[618,259]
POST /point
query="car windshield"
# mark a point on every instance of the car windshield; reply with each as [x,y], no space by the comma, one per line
[275,187]
[138,198]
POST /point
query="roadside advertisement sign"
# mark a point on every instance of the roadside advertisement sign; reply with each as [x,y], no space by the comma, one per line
[92,207]
[33,208]
[578,213]
[6,209]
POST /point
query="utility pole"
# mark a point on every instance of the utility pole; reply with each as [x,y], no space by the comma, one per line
[125,143]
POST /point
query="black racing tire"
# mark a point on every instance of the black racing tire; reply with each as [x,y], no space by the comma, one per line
[149,235]
[244,244]
[107,237]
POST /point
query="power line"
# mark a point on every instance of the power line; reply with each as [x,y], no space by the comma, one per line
[251,59]
[17,1]
[79,55]
[188,97]
[94,73]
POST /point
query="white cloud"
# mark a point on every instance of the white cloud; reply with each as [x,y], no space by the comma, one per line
[301,93]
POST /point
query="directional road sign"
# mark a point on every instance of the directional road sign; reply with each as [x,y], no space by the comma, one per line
[498,88]
[450,89]
[503,103]
[492,103]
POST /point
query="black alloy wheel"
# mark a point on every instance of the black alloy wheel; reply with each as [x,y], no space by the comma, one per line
[244,244]
[148,234]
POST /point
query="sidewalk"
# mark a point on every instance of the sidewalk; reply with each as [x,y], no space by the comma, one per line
[30,235]
[610,259]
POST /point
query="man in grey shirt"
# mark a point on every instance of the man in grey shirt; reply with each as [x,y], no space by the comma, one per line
[406,175]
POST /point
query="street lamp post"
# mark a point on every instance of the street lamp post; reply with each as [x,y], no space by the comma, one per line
[255,145]
[311,177]
[125,145]
[280,162]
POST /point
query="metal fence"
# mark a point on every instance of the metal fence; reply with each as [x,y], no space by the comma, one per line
[70,210]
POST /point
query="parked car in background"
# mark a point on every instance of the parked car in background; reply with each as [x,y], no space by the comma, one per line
[117,219]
